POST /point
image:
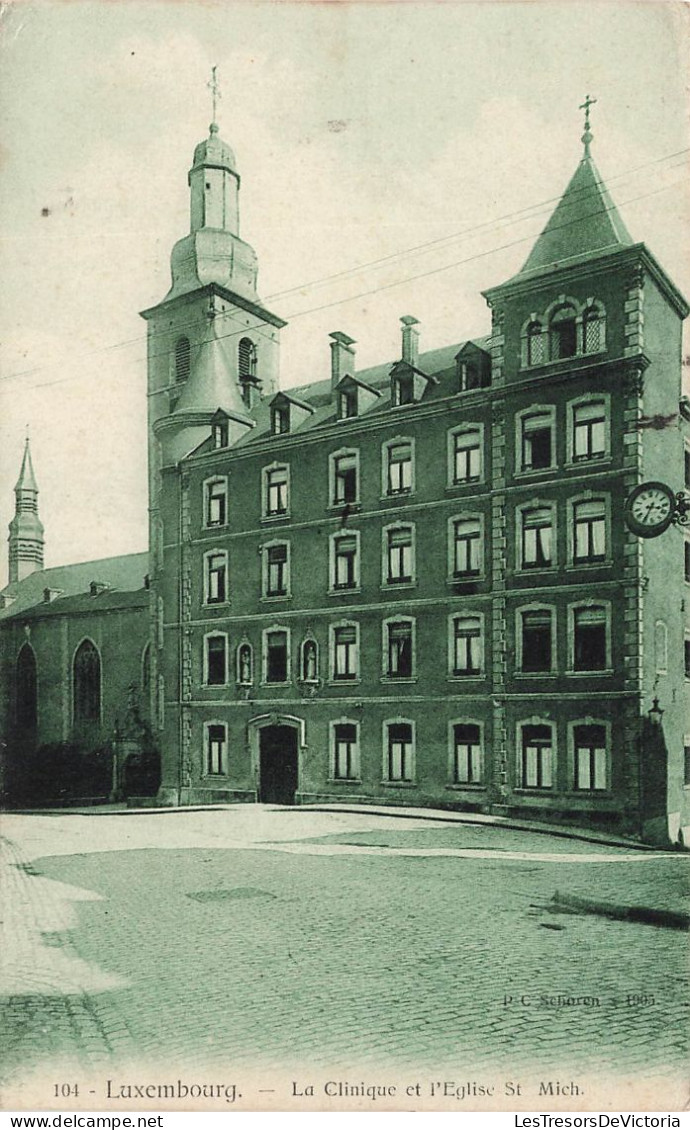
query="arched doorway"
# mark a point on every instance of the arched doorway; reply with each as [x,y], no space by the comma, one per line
[275,741]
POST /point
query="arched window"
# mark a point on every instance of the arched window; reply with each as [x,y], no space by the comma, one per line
[535,344]
[183,355]
[563,332]
[246,358]
[592,330]
[87,683]
[27,701]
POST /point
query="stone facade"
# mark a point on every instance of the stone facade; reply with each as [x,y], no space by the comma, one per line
[414,583]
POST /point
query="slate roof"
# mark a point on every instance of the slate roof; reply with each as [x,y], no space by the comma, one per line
[110,600]
[438,363]
[124,575]
[585,222]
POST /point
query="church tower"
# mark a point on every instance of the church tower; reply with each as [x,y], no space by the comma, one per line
[26,529]
[213,348]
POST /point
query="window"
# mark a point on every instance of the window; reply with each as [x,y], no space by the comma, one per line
[245,665]
[246,358]
[686,759]
[535,643]
[216,501]
[309,662]
[398,649]
[215,578]
[344,481]
[344,657]
[398,464]
[687,468]
[589,755]
[592,330]
[276,491]
[687,657]
[687,559]
[86,688]
[589,532]
[590,631]
[466,558]
[589,431]
[215,660]
[345,746]
[345,561]
[536,540]
[402,390]
[399,550]
[465,456]
[536,351]
[219,433]
[276,655]
[280,419]
[399,746]
[467,759]
[563,333]
[466,645]
[183,354]
[347,403]
[26,693]
[537,441]
[277,569]
[216,741]
[536,756]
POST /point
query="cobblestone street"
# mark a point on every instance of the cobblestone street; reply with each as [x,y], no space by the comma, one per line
[253,938]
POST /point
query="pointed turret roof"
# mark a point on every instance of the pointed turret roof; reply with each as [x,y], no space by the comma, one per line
[27,478]
[211,384]
[585,222]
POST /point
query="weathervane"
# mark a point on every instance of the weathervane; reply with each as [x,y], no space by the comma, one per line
[215,91]
[587,135]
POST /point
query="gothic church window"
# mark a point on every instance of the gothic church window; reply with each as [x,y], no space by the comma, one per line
[27,697]
[87,683]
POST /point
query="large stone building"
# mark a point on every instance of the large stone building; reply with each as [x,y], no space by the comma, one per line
[74,666]
[415,583]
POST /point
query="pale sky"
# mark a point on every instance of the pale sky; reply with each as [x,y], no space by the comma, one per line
[361,130]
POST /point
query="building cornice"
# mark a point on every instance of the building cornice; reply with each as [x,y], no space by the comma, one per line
[222,292]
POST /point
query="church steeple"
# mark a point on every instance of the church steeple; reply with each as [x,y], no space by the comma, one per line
[26,531]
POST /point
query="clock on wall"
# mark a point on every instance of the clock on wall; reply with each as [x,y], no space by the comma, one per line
[650,509]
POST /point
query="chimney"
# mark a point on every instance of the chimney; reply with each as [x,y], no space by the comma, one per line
[342,357]
[410,340]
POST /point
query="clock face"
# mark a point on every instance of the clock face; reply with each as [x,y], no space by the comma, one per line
[649,509]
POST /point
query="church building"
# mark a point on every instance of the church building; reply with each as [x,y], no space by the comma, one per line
[415,583]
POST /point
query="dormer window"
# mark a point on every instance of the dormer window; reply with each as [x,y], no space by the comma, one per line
[347,404]
[183,353]
[280,419]
[403,390]
[220,433]
[563,333]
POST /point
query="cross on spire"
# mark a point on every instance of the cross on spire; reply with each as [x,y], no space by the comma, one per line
[214,87]
[587,135]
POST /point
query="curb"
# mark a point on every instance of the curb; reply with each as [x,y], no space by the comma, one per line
[674,920]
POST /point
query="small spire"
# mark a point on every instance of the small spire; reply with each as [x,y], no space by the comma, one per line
[587,135]
[27,478]
[214,87]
